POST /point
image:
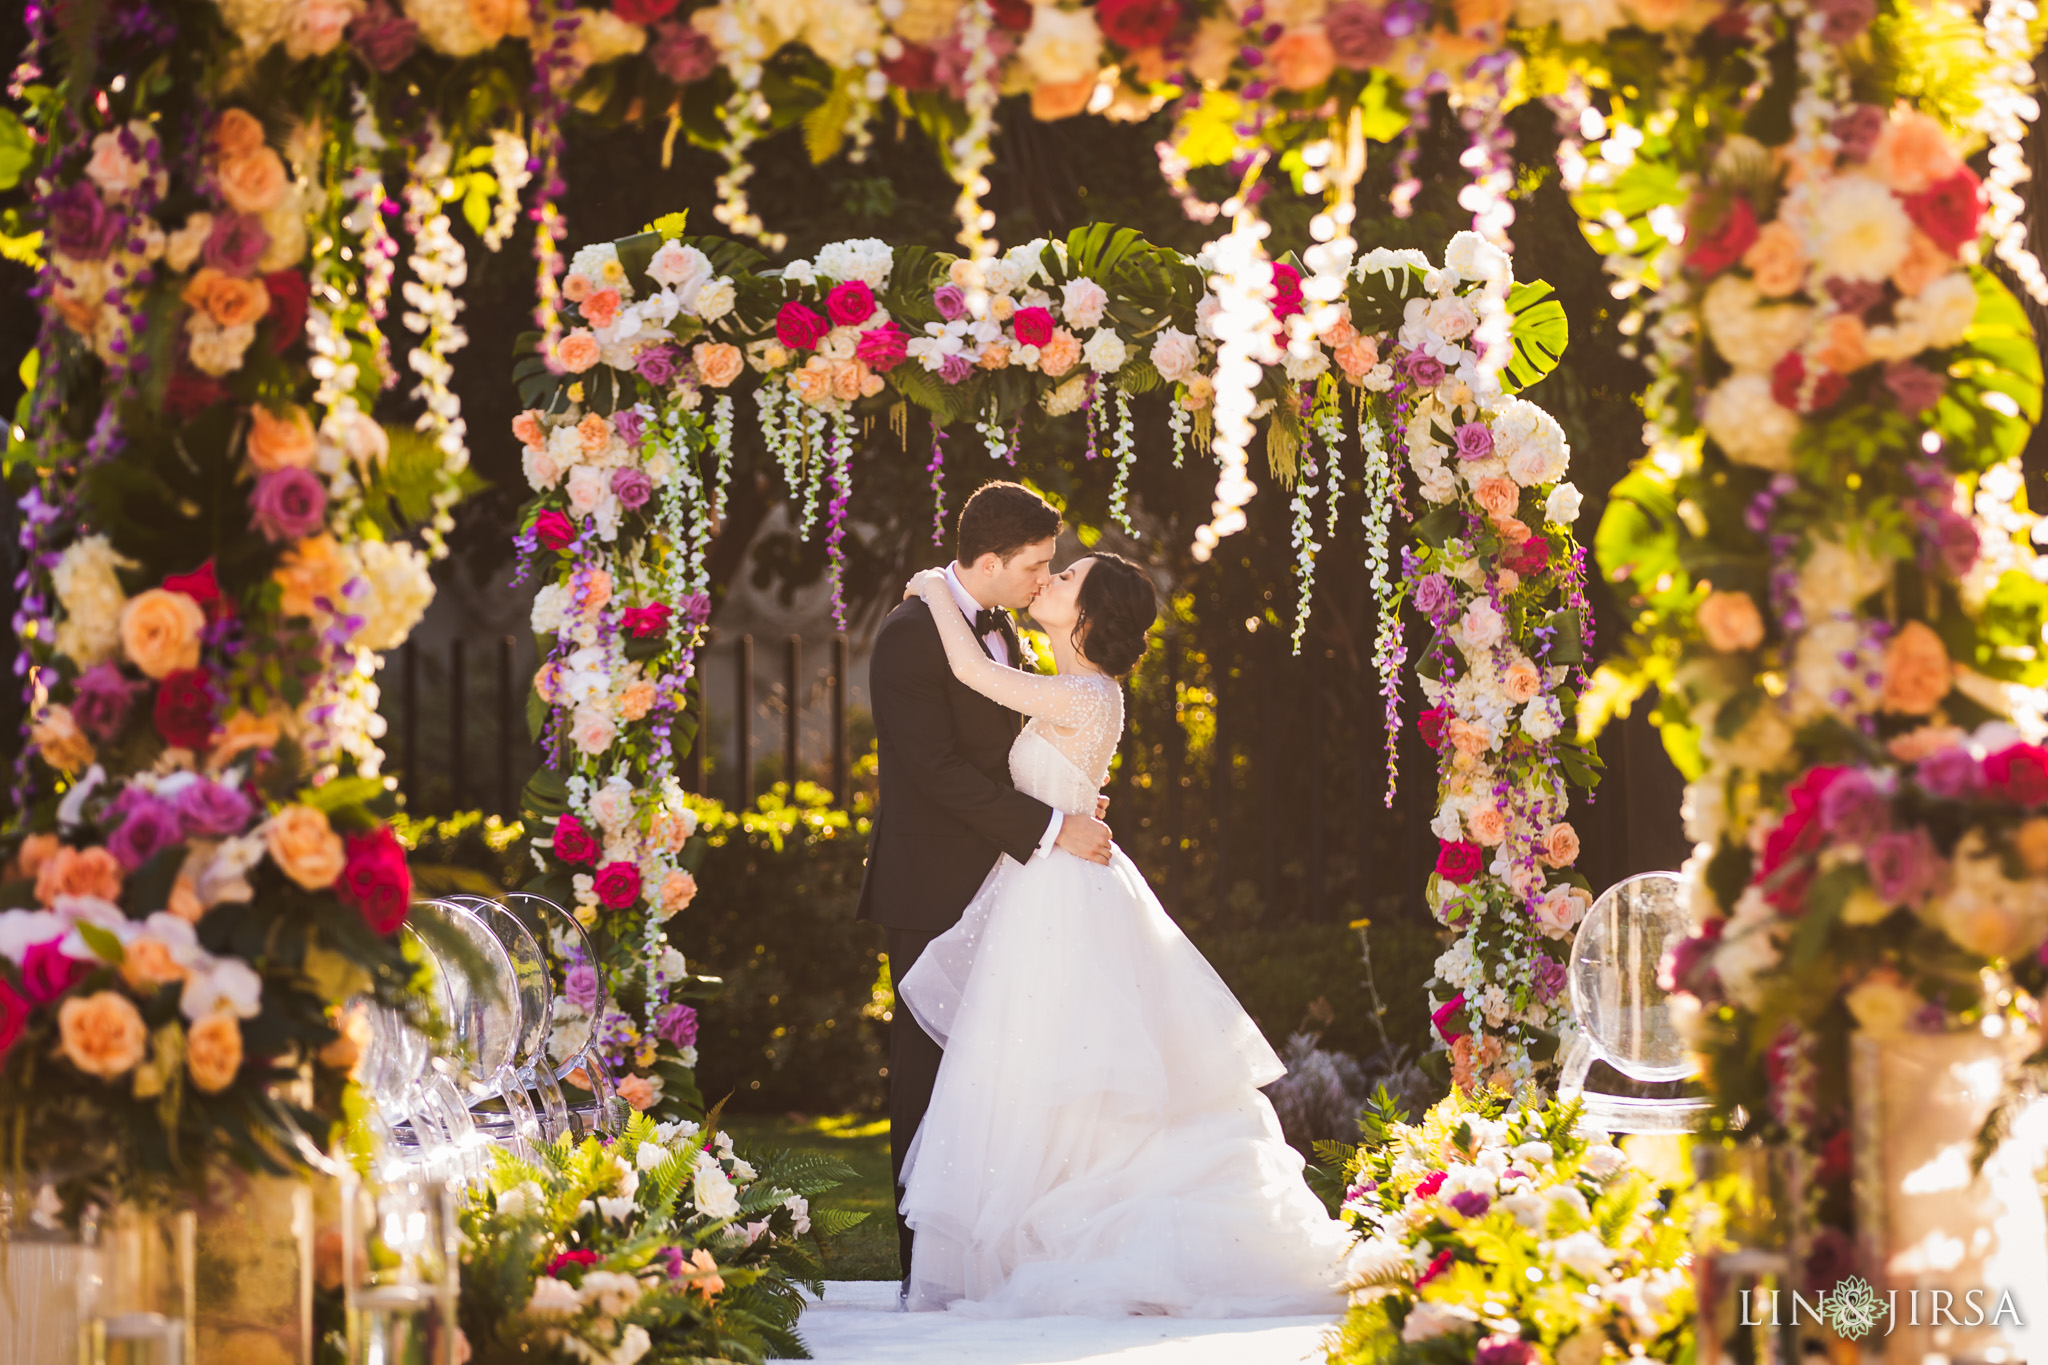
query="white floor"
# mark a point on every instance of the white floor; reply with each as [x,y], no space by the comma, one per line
[857,1324]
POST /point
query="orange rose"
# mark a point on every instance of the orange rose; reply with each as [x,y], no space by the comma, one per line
[148,964]
[1512,530]
[636,1091]
[78,872]
[813,383]
[678,889]
[160,631]
[1924,264]
[213,1051]
[1841,346]
[1483,19]
[352,1027]
[1917,671]
[1560,845]
[244,731]
[601,309]
[595,433]
[238,133]
[61,743]
[1912,153]
[1060,99]
[1058,355]
[718,363]
[1524,682]
[304,846]
[1487,826]
[227,300]
[577,351]
[282,440]
[35,850]
[501,18]
[1731,622]
[101,1034]
[253,183]
[1303,58]
[1917,745]
[1776,260]
[2030,841]
[1357,356]
[527,429]
[311,570]
[1497,496]
[576,287]
[636,701]
[595,593]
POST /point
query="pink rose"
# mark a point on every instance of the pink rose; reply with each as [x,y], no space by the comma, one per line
[1033,326]
[798,327]
[617,885]
[882,348]
[850,304]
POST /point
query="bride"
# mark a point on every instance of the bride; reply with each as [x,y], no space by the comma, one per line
[1096,1142]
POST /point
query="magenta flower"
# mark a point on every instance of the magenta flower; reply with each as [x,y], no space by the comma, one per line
[288,504]
[955,368]
[882,348]
[1903,865]
[80,225]
[696,609]
[211,810]
[950,300]
[677,1026]
[850,304]
[1423,368]
[681,53]
[151,827]
[798,327]
[1441,1019]
[46,972]
[656,365]
[1852,807]
[1432,594]
[632,487]
[1470,1203]
[383,37]
[1358,35]
[101,699]
[579,986]
[1950,774]
[630,424]
[1475,441]
[235,244]
[642,622]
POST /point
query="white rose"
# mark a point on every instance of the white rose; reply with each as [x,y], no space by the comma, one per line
[1175,355]
[1584,1253]
[1475,258]
[1303,370]
[1062,46]
[1943,312]
[1082,302]
[713,1193]
[1429,1318]
[90,593]
[1105,352]
[676,265]
[1562,506]
[552,1297]
[715,299]
[1749,425]
[1450,318]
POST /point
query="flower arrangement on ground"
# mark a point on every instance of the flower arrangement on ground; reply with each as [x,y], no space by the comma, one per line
[661,1244]
[1508,1235]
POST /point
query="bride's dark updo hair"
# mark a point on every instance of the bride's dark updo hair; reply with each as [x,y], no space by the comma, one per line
[1116,608]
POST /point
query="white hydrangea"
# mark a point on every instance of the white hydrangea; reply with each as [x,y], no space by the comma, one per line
[867,259]
[1068,397]
[1474,258]
[401,588]
[1750,425]
[90,593]
[599,263]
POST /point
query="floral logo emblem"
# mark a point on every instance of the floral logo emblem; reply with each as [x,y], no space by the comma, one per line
[1854,1308]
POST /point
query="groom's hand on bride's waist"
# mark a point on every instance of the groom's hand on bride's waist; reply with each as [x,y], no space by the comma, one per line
[1084,836]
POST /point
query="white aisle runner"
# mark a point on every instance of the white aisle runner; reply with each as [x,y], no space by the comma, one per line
[857,1324]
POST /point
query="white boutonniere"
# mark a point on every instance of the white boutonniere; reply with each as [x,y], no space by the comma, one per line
[1028,656]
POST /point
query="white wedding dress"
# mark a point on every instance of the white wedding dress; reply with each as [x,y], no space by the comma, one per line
[1096,1142]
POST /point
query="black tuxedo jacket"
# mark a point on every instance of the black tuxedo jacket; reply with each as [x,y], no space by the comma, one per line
[948,810]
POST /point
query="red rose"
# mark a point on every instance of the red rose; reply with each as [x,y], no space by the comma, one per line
[573,843]
[643,11]
[798,327]
[641,622]
[190,393]
[1014,15]
[1457,861]
[375,879]
[1033,326]
[2019,773]
[13,1017]
[1431,725]
[916,69]
[288,295]
[1722,247]
[850,304]
[184,709]
[571,1258]
[1948,211]
[617,885]
[1788,380]
[1286,291]
[1427,1187]
[554,529]
[1529,558]
[1135,24]
[202,587]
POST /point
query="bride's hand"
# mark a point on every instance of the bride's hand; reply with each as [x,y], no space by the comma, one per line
[920,581]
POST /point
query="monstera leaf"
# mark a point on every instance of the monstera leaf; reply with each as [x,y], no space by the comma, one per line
[1540,331]
[1994,393]
[1379,297]
[1639,532]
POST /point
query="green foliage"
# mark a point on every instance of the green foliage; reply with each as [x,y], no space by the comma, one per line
[1541,332]
[1993,399]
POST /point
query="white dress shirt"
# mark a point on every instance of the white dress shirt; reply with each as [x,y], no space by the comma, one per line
[999,650]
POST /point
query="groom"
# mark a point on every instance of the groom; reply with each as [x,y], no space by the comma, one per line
[948,810]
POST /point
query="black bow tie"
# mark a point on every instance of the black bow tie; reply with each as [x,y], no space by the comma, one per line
[990,621]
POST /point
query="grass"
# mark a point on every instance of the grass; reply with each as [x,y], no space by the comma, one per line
[867,1252]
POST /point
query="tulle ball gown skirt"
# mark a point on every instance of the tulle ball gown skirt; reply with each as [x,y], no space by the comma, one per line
[1097,1143]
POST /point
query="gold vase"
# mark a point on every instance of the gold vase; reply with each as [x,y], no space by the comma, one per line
[255,1272]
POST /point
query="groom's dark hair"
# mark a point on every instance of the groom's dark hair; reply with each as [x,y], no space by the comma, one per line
[1001,519]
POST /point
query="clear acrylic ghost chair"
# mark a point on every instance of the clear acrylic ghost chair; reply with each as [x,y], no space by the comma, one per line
[515,1082]
[1622,1013]
[561,937]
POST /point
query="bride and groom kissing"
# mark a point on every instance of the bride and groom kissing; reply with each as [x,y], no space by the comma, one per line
[1075,1118]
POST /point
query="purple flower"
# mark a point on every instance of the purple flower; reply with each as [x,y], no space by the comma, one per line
[80,225]
[579,986]
[1470,1203]
[151,827]
[630,425]
[1956,541]
[1914,388]
[1475,441]
[951,301]
[101,699]
[1423,368]
[1951,774]
[210,810]
[383,37]
[288,504]
[1690,964]
[1858,131]
[633,488]
[1432,594]
[955,368]
[235,244]
[1903,865]
[671,1260]
[677,1026]
[1548,976]
[656,365]
[694,608]
[1852,808]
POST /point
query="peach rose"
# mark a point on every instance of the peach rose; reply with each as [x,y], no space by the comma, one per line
[1483,19]
[78,872]
[1357,356]
[1303,58]
[227,300]
[718,362]
[1731,622]
[813,383]
[678,889]
[1339,333]
[1058,355]
[1776,259]
[244,731]
[577,351]
[1498,497]
[1060,99]
[1912,153]
[1560,845]
[160,631]
[1524,683]
[1197,391]
[994,356]
[576,287]
[213,1051]
[184,900]
[1468,738]
[595,432]
[1507,580]
[1924,264]
[101,1034]
[1842,346]
[1917,671]
[304,846]
[2030,841]
[1512,529]
[1487,826]
[35,850]
[58,739]
[601,309]
[591,731]
[1917,745]
[846,377]
[254,183]
[237,134]
[311,570]
[636,701]
[636,1091]
[282,440]
[527,430]
[148,964]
